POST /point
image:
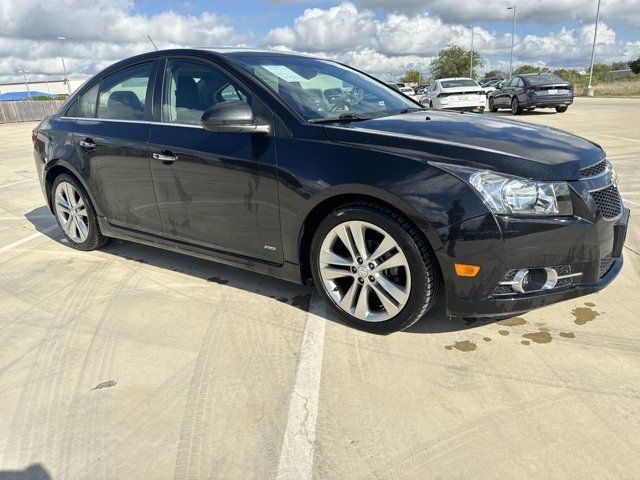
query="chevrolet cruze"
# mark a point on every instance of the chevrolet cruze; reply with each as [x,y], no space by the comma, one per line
[306,169]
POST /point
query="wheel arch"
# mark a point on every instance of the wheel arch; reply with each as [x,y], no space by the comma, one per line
[55,168]
[323,207]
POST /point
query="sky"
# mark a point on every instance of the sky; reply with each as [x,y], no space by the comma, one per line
[382,37]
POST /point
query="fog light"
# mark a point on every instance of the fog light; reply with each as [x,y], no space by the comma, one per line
[526,280]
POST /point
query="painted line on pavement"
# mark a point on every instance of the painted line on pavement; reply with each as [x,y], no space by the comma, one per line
[622,138]
[296,456]
[17,243]
[16,183]
[626,200]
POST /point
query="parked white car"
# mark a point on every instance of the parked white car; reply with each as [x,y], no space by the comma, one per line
[409,92]
[456,94]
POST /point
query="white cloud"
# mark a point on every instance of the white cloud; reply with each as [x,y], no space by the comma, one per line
[98,33]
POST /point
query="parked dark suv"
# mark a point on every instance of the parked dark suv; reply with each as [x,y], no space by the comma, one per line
[531,91]
[304,168]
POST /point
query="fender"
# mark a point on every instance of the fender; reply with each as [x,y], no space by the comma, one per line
[59,162]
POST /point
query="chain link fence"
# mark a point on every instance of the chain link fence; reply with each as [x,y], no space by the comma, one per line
[27,110]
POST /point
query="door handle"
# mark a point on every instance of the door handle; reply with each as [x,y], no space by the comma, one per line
[87,143]
[165,157]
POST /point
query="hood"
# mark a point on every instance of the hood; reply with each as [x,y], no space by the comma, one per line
[479,141]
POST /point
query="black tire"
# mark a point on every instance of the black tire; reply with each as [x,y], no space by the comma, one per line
[425,278]
[492,107]
[562,109]
[430,104]
[95,239]
[516,108]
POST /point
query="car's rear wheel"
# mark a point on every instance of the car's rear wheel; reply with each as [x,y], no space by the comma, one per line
[492,107]
[75,214]
[516,109]
[562,109]
[373,267]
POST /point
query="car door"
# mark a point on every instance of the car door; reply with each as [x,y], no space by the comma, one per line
[502,95]
[519,91]
[111,136]
[216,190]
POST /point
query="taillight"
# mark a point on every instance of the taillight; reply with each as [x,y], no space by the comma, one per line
[34,135]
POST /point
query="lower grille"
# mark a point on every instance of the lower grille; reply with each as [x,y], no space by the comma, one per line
[608,201]
[605,265]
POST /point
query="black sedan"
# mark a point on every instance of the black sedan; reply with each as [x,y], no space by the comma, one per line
[306,169]
[531,91]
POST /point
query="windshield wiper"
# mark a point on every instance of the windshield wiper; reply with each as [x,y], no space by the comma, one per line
[412,109]
[344,118]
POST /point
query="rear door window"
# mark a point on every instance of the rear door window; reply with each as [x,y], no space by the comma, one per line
[88,102]
[123,95]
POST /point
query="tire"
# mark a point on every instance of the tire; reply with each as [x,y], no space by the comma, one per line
[342,273]
[516,108]
[430,104]
[77,220]
[562,109]
[492,107]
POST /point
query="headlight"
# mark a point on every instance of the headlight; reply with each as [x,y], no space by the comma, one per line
[514,195]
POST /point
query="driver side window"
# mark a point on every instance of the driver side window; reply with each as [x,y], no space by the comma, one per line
[191,87]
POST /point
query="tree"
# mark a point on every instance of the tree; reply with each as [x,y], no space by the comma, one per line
[495,73]
[411,76]
[454,61]
[526,69]
[619,66]
[635,66]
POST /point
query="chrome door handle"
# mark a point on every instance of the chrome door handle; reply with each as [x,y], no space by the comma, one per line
[165,158]
[87,143]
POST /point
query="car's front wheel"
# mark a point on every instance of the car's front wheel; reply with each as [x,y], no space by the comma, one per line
[492,107]
[75,214]
[373,267]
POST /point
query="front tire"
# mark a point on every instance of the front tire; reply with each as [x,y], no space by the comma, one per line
[492,107]
[374,269]
[562,109]
[75,214]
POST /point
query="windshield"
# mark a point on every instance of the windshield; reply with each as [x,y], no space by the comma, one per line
[463,82]
[544,79]
[320,89]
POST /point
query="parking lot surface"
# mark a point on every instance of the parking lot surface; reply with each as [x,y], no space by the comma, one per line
[132,362]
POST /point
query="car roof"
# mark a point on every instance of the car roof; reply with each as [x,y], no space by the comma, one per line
[454,78]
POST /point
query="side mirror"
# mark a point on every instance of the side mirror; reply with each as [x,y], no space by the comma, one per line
[232,117]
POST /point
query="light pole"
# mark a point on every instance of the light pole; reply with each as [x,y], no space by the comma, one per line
[471,53]
[64,67]
[513,35]
[26,83]
[589,90]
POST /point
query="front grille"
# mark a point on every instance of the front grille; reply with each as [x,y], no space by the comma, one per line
[605,265]
[594,170]
[608,201]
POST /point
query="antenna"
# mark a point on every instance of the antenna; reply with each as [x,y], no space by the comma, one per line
[154,45]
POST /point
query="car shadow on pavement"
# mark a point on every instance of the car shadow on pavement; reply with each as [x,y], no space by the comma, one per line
[298,296]
[32,472]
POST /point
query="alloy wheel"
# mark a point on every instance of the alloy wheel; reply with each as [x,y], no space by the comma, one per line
[364,271]
[71,212]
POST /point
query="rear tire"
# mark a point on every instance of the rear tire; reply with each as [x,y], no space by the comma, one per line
[562,109]
[516,109]
[75,214]
[367,298]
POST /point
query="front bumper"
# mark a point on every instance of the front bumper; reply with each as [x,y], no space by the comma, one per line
[530,243]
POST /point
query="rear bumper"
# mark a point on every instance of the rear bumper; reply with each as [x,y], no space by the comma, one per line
[549,101]
[501,244]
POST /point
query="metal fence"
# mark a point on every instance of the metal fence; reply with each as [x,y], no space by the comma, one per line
[27,110]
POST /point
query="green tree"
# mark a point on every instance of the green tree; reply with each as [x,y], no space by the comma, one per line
[619,66]
[635,66]
[411,76]
[454,61]
[526,69]
[495,73]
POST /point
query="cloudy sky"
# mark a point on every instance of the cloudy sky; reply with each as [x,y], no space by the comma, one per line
[383,37]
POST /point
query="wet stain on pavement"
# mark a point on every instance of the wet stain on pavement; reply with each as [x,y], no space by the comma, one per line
[220,281]
[568,334]
[584,315]
[525,342]
[539,337]
[463,346]
[487,339]
[543,329]
[512,322]
[589,304]
[504,333]
[109,384]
